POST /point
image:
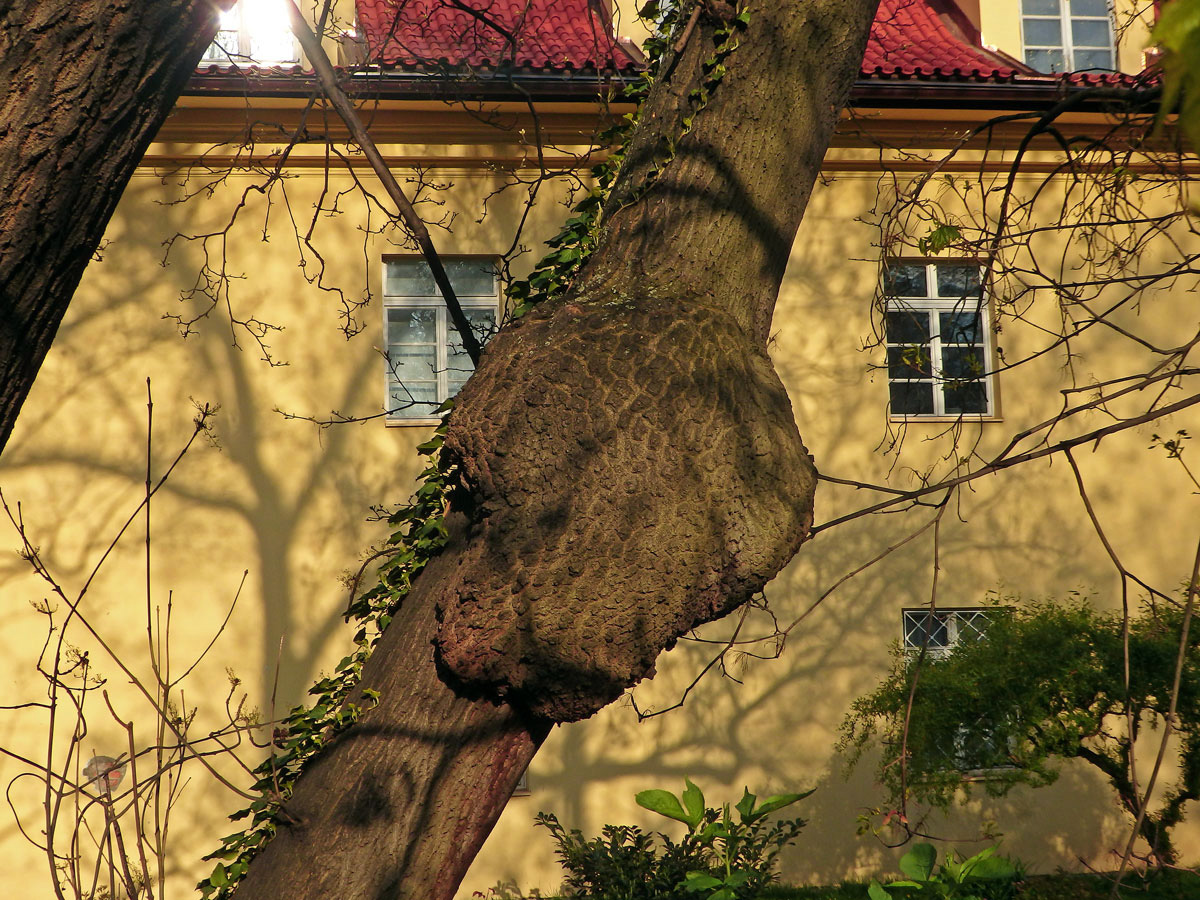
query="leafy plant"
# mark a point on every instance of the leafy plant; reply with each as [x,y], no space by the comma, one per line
[720,858]
[1043,684]
[983,876]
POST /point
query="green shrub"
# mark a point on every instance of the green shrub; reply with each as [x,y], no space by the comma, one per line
[983,876]
[720,858]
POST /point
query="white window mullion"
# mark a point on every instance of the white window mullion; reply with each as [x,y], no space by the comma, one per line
[443,352]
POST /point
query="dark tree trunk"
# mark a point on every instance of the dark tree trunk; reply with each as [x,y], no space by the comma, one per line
[629,469]
[84,86]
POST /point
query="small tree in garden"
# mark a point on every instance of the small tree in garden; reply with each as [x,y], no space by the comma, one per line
[1045,683]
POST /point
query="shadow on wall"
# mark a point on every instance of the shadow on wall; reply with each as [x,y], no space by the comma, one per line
[275,497]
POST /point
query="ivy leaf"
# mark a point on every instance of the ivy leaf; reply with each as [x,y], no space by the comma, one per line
[939,238]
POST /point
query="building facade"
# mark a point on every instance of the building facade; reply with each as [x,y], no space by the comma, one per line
[257,275]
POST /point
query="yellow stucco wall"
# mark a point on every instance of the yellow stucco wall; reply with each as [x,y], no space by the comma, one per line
[287,503]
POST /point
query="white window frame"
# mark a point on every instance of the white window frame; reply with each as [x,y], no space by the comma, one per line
[932,303]
[1065,18]
[234,44]
[444,329]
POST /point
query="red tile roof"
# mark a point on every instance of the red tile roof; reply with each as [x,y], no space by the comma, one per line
[932,39]
[911,40]
[537,34]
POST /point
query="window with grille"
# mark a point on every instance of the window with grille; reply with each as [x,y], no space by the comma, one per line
[253,32]
[937,340]
[940,630]
[976,745]
[1067,35]
[425,360]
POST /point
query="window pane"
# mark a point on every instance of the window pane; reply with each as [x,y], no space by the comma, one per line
[412,399]
[960,327]
[971,624]
[965,397]
[904,281]
[1093,59]
[1043,33]
[962,362]
[225,45]
[1090,33]
[408,278]
[413,278]
[907,326]
[1045,60]
[1041,7]
[408,325]
[925,629]
[958,281]
[1089,8]
[914,398]
[408,363]
[483,323]
[472,277]
[458,363]
[909,362]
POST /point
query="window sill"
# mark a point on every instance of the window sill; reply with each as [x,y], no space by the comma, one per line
[422,422]
[944,420]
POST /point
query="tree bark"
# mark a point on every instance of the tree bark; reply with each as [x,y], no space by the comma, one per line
[629,468]
[85,85]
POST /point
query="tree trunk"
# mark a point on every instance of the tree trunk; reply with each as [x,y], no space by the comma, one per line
[629,468]
[85,85]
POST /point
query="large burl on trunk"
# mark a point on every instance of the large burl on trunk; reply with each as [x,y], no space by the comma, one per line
[629,467]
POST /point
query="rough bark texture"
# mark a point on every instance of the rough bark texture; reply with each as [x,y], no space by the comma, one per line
[630,468]
[402,802]
[84,85]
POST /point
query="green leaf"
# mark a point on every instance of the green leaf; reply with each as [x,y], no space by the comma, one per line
[700,881]
[779,801]
[219,877]
[918,862]
[693,802]
[876,892]
[939,239]
[995,867]
[745,806]
[664,803]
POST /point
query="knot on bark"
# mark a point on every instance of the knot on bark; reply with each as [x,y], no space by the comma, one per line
[629,471]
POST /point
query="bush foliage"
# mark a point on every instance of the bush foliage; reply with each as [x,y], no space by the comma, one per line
[1045,683]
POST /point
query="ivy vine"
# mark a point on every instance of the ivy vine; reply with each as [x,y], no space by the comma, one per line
[419,529]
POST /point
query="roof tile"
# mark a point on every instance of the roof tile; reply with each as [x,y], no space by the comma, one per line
[931,39]
[538,34]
